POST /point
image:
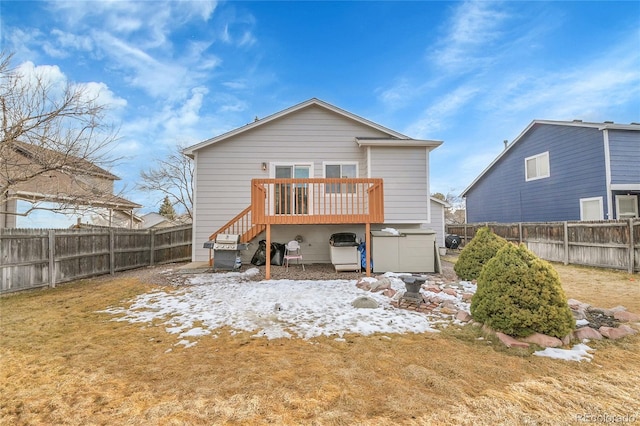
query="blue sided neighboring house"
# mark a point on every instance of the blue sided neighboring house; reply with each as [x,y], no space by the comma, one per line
[561,171]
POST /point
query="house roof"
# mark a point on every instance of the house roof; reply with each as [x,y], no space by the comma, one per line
[395,139]
[439,201]
[36,154]
[607,125]
[41,165]
[108,201]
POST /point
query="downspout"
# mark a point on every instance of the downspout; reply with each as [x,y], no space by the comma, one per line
[428,187]
[607,172]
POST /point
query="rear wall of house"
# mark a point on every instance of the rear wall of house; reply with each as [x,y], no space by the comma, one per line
[224,170]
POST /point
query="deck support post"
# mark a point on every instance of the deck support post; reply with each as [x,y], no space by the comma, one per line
[367,247]
[267,264]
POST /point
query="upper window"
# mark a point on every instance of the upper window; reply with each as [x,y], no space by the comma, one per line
[537,167]
[340,170]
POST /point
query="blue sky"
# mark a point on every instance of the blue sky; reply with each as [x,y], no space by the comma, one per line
[469,73]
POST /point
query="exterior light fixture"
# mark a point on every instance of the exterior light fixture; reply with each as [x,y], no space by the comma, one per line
[264,167]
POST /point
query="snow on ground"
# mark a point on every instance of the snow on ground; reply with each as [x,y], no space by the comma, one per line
[577,353]
[286,308]
[272,309]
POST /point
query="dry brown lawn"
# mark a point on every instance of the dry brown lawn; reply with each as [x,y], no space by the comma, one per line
[61,362]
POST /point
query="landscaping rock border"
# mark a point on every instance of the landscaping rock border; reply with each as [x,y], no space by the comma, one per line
[449,303]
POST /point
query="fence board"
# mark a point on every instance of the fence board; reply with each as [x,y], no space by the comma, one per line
[608,244]
[32,258]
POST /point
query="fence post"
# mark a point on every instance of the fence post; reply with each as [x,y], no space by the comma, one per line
[520,232]
[566,242]
[152,246]
[465,234]
[52,258]
[632,246]
[112,252]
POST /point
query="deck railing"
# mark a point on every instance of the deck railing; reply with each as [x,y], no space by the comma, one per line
[241,225]
[317,201]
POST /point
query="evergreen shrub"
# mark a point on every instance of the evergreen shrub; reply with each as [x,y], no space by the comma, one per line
[520,294]
[484,245]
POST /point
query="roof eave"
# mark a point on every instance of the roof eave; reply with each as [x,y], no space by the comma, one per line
[391,142]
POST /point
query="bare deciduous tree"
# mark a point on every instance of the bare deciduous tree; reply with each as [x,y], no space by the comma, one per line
[173,177]
[55,139]
[455,213]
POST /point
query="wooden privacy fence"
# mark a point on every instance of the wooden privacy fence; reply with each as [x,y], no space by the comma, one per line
[31,258]
[607,244]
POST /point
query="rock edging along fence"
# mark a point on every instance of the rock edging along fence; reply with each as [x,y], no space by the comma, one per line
[32,258]
[611,244]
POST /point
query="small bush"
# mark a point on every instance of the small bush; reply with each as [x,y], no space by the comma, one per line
[474,255]
[520,294]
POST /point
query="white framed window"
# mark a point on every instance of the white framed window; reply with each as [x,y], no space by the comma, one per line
[626,206]
[340,170]
[591,208]
[537,167]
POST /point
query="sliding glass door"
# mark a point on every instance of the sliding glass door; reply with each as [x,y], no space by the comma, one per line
[292,198]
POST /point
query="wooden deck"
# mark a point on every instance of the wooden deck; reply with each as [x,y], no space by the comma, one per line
[308,201]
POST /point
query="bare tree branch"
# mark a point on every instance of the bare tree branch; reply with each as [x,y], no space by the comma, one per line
[55,140]
[172,177]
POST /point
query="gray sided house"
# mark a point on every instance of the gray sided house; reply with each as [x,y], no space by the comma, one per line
[310,171]
[561,171]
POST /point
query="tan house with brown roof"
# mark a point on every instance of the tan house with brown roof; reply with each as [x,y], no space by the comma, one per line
[39,175]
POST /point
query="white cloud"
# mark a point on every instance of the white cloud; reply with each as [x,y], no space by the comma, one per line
[473,26]
[102,94]
[437,116]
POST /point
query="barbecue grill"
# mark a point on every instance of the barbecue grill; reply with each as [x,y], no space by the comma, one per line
[226,251]
[344,251]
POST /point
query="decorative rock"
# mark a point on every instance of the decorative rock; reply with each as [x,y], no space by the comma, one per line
[434,299]
[578,314]
[381,284]
[625,316]
[567,339]
[627,329]
[613,333]
[448,311]
[587,333]
[463,316]
[389,292]
[543,340]
[450,291]
[578,305]
[510,342]
[433,288]
[364,284]
[364,302]
[467,296]
[449,305]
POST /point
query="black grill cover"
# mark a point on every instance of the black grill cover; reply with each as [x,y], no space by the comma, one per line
[452,241]
[343,239]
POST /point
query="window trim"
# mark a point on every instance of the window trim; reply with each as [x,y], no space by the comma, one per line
[537,157]
[630,196]
[600,201]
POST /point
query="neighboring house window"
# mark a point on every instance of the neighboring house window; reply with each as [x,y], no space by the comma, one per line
[627,206]
[591,209]
[537,167]
[340,170]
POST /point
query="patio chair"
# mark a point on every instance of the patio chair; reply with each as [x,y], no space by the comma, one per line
[292,251]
